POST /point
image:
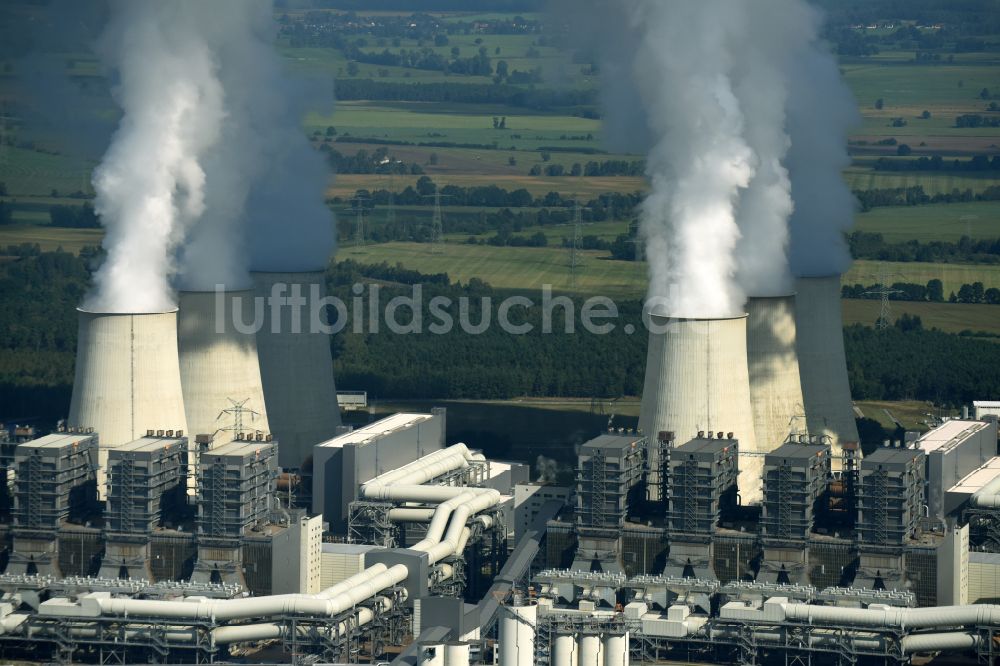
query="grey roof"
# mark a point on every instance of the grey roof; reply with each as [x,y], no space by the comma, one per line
[150,444]
[890,455]
[795,451]
[614,441]
[58,440]
[705,445]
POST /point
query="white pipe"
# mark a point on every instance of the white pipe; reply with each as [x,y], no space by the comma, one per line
[939,642]
[423,469]
[987,497]
[408,515]
[903,618]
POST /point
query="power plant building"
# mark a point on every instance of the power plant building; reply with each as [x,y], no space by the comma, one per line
[343,463]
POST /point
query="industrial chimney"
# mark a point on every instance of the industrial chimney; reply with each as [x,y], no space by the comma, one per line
[127,378]
[218,364]
[697,380]
[826,391]
[775,388]
[296,366]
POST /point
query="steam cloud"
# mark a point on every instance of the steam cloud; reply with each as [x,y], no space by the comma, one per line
[151,185]
[209,173]
[745,113]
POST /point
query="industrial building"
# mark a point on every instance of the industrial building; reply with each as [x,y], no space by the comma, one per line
[610,479]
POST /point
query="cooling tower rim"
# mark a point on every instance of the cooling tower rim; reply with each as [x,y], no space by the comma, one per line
[773,297]
[101,313]
[296,272]
[200,292]
[682,318]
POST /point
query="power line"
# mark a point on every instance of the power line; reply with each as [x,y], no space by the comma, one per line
[883,291]
[360,233]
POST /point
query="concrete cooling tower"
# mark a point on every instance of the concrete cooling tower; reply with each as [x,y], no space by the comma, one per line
[296,367]
[697,380]
[218,364]
[127,377]
[775,388]
[826,391]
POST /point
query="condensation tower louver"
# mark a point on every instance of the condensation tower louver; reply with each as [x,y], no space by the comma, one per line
[296,367]
[127,378]
[697,380]
[775,387]
[218,364]
[826,391]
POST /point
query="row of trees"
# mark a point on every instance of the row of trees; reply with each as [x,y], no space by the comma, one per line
[933,291]
[866,245]
[937,163]
[540,98]
[39,291]
[916,196]
[593,169]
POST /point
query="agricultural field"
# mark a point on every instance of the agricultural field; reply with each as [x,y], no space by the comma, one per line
[938,222]
[948,317]
[952,275]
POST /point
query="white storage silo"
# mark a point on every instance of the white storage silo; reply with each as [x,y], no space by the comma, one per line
[826,391]
[697,381]
[517,635]
[218,363]
[775,388]
[296,366]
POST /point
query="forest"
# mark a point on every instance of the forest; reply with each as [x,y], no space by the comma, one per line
[39,292]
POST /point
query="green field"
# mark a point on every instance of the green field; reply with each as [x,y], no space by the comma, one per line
[511,268]
[933,183]
[937,222]
[949,317]
[952,275]
[50,238]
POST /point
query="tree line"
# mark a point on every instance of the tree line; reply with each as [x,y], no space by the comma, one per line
[541,98]
[39,292]
[937,163]
[933,291]
[867,245]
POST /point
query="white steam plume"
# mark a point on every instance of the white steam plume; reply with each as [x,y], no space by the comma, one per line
[265,204]
[821,113]
[151,183]
[777,94]
[775,32]
[699,159]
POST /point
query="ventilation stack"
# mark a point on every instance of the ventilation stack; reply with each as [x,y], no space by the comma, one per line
[127,379]
[219,368]
[295,365]
[697,381]
[775,388]
[826,391]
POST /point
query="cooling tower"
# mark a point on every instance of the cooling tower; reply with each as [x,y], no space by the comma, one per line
[697,380]
[775,388]
[218,362]
[127,378]
[296,366]
[826,391]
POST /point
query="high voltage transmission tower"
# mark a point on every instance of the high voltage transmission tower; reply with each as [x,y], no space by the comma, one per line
[437,224]
[883,291]
[574,247]
[390,213]
[360,234]
[237,411]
